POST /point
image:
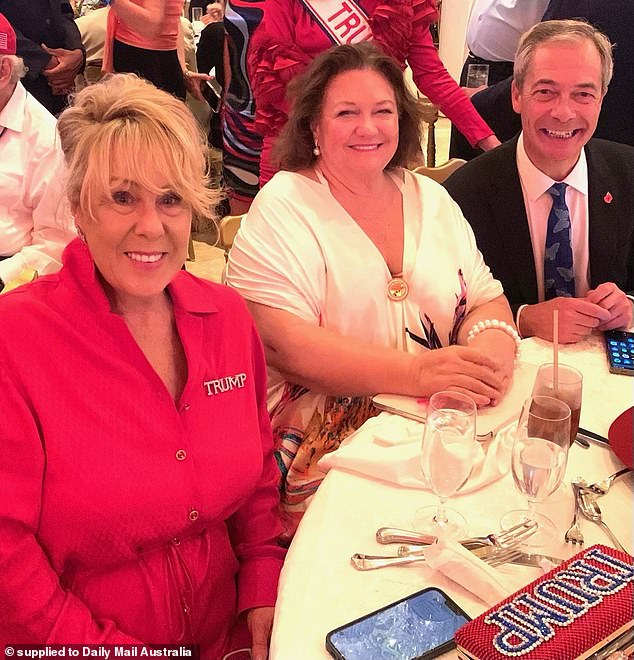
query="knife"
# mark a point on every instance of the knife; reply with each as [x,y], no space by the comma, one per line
[364,562]
[591,435]
[523,558]
[535,560]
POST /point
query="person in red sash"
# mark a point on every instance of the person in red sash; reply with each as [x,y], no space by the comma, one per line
[293,32]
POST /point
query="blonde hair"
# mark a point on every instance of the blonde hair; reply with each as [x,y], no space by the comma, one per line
[126,121]
[565,31]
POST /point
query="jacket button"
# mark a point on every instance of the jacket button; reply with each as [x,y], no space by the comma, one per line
[193,515]
[181,455]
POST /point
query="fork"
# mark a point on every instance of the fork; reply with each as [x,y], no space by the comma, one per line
[386,535]
[508,538]
[574,534]
[592,511]
[603,486]
[494,557]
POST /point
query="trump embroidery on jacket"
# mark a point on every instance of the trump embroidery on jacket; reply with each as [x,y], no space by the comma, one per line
[226,384]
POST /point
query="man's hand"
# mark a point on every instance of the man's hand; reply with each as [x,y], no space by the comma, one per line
[577,318]
[260,622]
[61,76]
[52,63]
[612,299]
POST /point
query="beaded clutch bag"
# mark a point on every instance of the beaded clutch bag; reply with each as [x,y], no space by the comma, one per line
[571,612]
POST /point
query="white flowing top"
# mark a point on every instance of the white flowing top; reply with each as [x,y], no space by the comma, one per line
[299,250]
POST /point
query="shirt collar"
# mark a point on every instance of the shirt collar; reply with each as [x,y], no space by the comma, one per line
[192,294]
[536,183]
[188,293]
[12,115]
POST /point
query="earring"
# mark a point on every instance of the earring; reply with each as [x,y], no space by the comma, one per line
[317,150]
[80,233]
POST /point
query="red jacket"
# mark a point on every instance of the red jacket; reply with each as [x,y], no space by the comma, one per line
[125,517]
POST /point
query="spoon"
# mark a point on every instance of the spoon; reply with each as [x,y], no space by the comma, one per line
[592,511]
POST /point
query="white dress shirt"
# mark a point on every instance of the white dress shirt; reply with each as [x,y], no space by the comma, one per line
[35,219]
[495,26]
[538,203]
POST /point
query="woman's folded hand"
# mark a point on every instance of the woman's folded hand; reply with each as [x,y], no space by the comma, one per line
[467,369]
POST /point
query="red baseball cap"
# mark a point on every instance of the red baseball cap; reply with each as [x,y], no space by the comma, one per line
[7,37]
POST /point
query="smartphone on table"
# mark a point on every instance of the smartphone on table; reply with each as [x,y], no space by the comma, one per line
[417,627]
[619,345]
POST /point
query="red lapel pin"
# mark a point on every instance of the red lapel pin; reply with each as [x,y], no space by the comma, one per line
[607,198]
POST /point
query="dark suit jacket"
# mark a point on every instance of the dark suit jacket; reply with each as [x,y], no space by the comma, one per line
[36,22]
[616,19]
[489,192]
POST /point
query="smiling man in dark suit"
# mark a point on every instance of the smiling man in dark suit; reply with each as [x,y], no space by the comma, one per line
[553,210]
[615,18]
[50,45]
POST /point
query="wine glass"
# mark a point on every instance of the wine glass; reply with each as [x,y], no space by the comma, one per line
[447,457]
[538,461]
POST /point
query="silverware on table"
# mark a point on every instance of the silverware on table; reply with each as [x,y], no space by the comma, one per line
[523,558]
[619,648]
[574,534]
[394,535]
[592,511]
[603,486]
[494,548]
[489,554]
[591,435]
[387,535]
[582,442]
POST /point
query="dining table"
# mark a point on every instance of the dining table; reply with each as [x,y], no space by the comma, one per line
[320,590]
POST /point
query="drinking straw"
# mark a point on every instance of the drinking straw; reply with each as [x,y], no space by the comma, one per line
[555,351]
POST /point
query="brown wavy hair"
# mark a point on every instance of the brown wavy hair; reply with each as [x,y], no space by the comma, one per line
[294,148]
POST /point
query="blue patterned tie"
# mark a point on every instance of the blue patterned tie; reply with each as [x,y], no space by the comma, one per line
[559,275]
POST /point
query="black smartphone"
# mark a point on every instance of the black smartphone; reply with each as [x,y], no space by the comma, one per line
[417,627]
[620,348]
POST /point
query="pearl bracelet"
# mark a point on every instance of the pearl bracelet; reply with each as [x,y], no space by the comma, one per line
[494,324]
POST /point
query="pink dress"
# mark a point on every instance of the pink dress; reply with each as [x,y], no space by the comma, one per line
[288,39]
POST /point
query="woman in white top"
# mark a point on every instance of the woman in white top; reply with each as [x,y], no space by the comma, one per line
[356,270]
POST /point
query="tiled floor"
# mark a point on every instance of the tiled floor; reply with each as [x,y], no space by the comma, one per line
[210,261]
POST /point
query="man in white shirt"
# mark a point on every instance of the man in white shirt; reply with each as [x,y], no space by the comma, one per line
[494,30]
[35,222]
[553,210]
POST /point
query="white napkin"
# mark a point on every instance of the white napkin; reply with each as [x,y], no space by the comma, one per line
[388,447]
[463,567]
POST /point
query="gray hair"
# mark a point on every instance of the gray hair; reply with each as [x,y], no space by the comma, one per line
[562,32]
[18,68]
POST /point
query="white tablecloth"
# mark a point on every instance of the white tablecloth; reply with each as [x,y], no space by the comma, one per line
[320,590]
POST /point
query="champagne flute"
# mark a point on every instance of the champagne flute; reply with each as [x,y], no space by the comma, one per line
[447,457]
[538,461]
